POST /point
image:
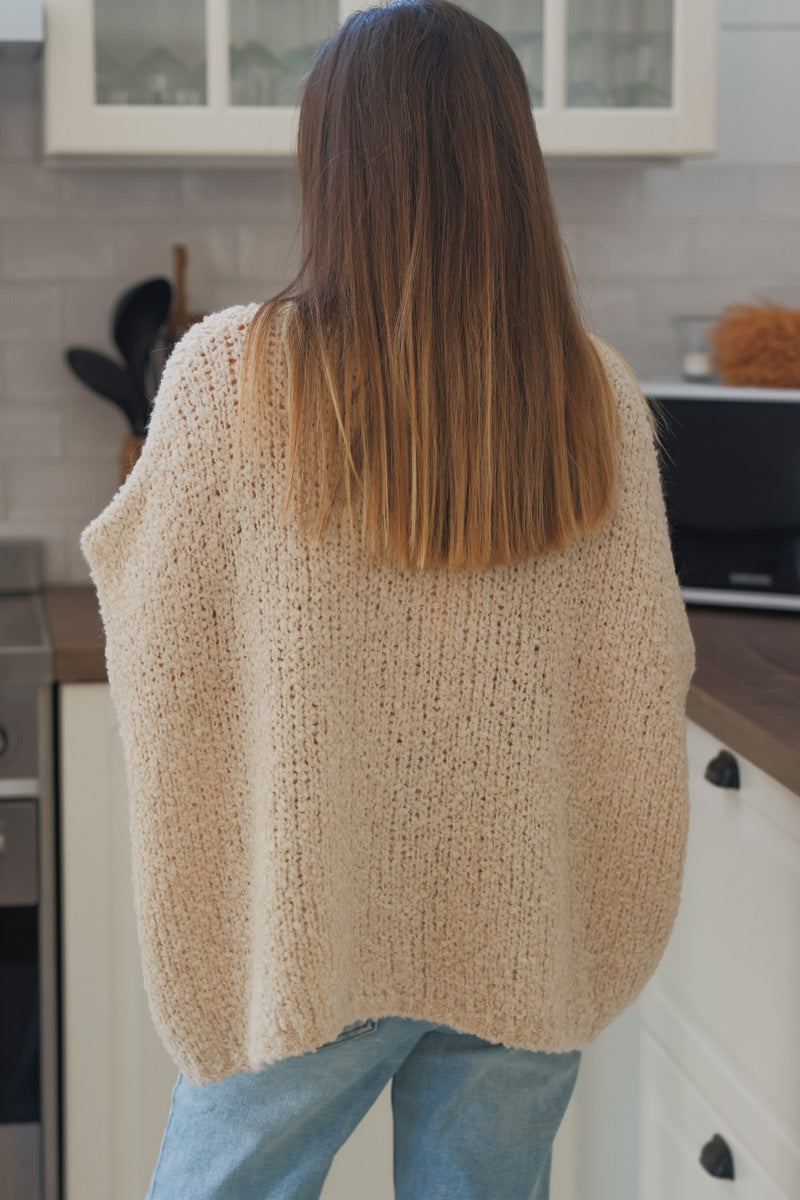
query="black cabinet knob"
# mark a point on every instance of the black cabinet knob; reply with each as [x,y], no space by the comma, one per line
[716,1157]
[723,770]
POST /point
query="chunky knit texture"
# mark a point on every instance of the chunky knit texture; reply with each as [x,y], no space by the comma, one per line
[357,791]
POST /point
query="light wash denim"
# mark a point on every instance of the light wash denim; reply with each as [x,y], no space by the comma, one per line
[473,1120]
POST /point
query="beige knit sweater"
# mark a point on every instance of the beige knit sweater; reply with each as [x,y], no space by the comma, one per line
[356,792]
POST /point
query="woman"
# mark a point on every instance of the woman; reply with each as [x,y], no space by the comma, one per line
[409,801]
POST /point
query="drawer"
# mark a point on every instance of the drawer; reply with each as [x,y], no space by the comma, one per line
[732,965]
[676,1122]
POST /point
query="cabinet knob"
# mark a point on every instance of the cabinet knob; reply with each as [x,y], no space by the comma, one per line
[717,1158]
[723,770]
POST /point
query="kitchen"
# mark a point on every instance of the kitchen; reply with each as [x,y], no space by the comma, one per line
[708,1062]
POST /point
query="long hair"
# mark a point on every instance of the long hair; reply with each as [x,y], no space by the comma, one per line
[438,371]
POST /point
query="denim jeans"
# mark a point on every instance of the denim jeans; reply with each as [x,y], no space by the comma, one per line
[473,1120]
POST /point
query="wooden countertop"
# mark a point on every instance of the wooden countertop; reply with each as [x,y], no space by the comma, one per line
[745,691]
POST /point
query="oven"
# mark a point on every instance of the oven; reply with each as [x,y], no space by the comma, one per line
[730,460]
[30,1139]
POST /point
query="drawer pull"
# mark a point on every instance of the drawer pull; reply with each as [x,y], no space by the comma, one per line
[723,770]
[716,1157]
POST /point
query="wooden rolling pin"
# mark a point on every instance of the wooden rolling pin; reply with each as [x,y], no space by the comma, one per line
[179,319]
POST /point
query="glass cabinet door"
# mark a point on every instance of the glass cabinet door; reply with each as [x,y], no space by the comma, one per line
[619,53]
[521,24]
[272,45]
[150,52]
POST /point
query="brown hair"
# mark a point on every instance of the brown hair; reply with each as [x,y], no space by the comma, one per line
[432,336]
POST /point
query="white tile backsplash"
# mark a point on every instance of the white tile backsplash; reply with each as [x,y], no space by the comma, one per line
[121,191]
[20,128]
[38,487]
[28,311]
[741,247]
[268,253]
[35,369]
[31,430]
[269,194]
[634,251]
[86,312]
[143,248]
[56,249]
[777,191]
[28,191]
[648,239]
[698,190]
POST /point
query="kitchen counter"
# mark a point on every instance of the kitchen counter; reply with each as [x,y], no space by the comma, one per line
[745,691]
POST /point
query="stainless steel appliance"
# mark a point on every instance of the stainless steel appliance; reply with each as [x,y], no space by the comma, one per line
[731,467]
[30,1142]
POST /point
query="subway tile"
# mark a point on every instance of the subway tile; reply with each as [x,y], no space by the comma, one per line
[610,307]
[37,487]
[54,536]
[55,250]
[28,190]
[777,191]
[21,83]
[698,189]
[270,194]
[786,291]
[742,248]
[663,300]
[29,431]
[268,252]
[603,254]
[33,370]
[651,358]
[243,291]
[120,191]
[20,132]
[93,428]
[595,194]
[28,311]
[144,248]
[88,310]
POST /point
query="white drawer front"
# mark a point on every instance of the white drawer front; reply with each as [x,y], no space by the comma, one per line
[732,965]
[676,1122]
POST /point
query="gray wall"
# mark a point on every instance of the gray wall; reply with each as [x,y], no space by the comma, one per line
[648,240]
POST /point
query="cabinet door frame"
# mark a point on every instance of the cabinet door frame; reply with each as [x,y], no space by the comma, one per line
[76,128]
[687,127]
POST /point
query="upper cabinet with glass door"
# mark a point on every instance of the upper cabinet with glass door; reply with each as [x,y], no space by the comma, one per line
[219,79]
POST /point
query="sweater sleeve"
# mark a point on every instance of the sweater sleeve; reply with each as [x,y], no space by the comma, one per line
[162,565]
[637,658]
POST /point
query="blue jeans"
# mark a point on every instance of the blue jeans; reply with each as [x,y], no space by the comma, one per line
[473,1120]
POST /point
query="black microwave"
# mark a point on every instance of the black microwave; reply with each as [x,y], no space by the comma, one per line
[730,463]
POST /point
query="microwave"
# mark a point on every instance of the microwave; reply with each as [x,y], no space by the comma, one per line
[730,466]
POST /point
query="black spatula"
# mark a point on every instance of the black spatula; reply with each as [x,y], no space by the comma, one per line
[116,383]
[138,317]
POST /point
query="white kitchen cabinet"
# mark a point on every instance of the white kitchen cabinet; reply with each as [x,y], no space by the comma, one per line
[711,1046]
[118,1078]
[720,1039]
[162,79]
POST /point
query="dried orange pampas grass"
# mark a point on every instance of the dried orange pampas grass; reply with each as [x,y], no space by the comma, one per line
[758,346]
